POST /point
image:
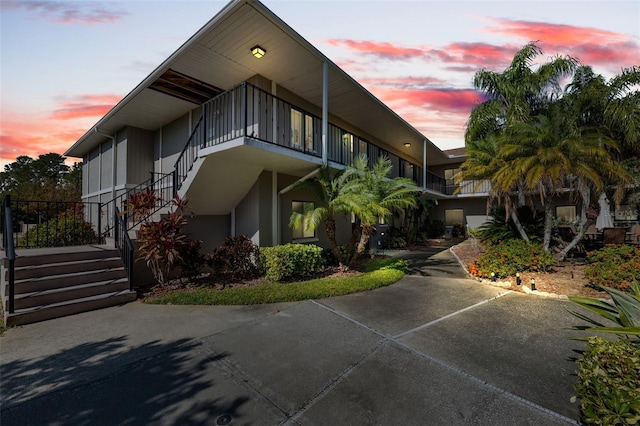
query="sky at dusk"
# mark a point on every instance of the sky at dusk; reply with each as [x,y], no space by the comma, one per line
[64,64]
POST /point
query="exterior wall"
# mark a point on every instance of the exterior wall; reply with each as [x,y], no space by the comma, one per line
[211,229]
[139,160]
[469,206]
[174,137]
[254,212]
[122,144]
[106,164]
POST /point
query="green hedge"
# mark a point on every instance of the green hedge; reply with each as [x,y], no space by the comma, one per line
[609,387]
[291,261]
[512,256]
[60,232]
[614,266]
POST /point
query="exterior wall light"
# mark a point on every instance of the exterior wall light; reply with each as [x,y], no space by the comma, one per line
[258,51]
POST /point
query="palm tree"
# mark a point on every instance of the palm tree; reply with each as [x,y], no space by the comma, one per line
[383,197]
[554,154]
[335,194]
[513,97]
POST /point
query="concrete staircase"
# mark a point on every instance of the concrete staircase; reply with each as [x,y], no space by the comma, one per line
[51,283]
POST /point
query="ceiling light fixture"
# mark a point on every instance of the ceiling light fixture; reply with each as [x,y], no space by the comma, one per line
[407,144]
[258,51]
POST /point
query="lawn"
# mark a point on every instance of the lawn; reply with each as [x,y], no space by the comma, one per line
[375,274]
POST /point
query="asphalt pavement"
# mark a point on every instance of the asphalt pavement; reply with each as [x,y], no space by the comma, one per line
[436,348]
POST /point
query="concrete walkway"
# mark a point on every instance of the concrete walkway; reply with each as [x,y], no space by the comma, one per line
[434,348]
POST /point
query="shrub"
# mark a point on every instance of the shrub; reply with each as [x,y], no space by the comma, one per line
[510,257]
[614,266]
[191,259]
[237,258]
[436,228]
[60,232]
[290,261]
[609,386]
[500,229]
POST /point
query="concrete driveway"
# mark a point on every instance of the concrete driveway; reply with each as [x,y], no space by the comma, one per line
[434,348]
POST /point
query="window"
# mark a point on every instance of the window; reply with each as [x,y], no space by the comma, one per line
[308,133]
[301,231]
[453,216]
[566,213]
[296,129]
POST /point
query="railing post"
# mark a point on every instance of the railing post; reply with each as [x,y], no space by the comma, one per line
[100,236]
[10,251]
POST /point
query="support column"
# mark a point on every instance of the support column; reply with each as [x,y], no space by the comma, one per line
[233,222]
[275,214]
[325,111]
[424,164]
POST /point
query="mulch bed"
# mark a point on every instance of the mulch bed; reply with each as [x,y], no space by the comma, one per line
[566,279]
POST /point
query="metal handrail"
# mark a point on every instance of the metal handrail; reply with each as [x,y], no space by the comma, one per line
[123,244]
[10,251]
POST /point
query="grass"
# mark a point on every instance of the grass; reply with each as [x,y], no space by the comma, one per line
[378,273]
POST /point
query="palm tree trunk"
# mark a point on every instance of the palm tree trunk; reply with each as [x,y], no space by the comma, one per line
[367,231]
[585,194]
[330,227]
[513,213]
[548,225]
[355,237]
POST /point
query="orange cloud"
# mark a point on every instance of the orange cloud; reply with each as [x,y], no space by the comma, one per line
[33,134]
[68,12]
[85,106]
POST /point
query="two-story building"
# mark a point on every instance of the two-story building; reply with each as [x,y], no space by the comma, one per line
[240,112]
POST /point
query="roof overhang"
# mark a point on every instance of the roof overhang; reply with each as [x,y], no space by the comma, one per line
[218,57]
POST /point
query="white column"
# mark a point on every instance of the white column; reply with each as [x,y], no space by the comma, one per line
[424,164]
[325,111]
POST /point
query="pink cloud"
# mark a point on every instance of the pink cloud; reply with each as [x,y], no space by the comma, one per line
[451,100]
[68,12]
[85,106]
[592,46]
[402,82]
[380,49]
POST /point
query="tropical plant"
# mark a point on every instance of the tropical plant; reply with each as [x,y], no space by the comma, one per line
[609,385]
[334,194]
[510,257]
[163,243]
[623,311]
[614,266]
[513,97]
[383,196]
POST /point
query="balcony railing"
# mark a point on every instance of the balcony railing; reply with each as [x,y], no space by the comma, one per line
[247,111]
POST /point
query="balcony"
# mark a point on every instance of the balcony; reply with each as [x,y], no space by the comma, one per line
[247,111]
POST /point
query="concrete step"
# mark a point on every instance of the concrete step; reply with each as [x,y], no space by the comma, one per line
[50,269]
[58,295]
[36,257]
[41,313]
[45,283]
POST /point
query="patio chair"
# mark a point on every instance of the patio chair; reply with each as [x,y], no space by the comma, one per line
[613,235]
[634,237]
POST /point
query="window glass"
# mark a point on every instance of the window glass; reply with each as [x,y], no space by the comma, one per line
[301,231]
[296,129]
[308,133]
[453,216]
[566,213]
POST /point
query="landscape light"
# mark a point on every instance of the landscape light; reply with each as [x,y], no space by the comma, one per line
[533,284]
